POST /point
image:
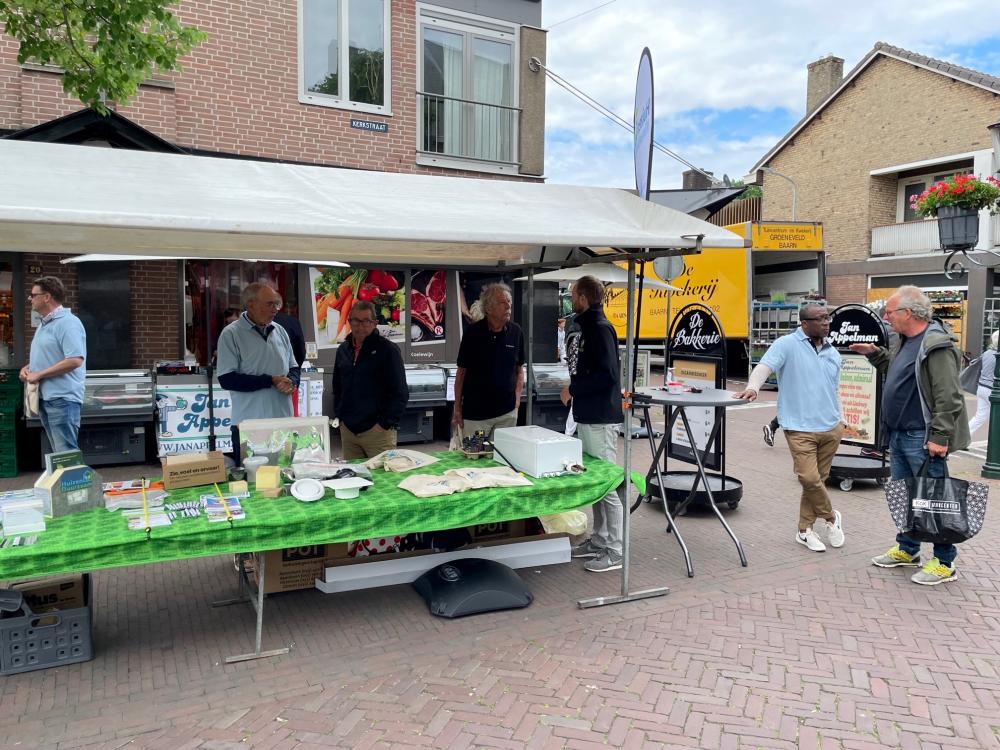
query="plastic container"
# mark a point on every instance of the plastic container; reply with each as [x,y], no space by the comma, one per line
[22,515]
[251,464]
[29,641]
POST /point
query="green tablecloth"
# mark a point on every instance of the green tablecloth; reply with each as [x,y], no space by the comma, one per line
[96,538]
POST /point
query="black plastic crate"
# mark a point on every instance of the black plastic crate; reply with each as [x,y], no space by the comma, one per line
[29,641]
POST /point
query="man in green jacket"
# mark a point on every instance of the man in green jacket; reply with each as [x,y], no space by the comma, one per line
[923,413]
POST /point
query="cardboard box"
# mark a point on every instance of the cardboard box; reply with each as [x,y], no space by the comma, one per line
[193,469]
[57,593]
[488,532]
[297,567]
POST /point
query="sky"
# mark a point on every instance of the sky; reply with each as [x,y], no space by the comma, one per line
[729,77]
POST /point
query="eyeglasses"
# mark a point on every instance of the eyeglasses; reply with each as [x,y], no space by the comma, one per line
[820,319]
[32,295]
[888,312]
[273,305]
[361,321]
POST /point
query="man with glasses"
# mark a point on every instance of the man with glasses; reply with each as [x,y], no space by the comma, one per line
[369,387]
[808,369]
[923,413]
[56,363]
[256,363]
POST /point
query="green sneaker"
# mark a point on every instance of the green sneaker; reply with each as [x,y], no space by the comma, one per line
[896,558]
[934,573]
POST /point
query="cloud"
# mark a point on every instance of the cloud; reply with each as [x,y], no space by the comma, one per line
[730,78]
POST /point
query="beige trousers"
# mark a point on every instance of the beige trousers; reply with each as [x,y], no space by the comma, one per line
[366,444]
[812,455]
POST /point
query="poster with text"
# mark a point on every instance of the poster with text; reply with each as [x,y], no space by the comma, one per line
[334,292]
[858,399]
[701,418]
[427,307]
[183,419]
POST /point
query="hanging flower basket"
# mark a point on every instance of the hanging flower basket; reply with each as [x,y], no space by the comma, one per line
[958,227]
[956,202]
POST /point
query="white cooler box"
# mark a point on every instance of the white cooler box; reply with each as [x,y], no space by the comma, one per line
[535,450]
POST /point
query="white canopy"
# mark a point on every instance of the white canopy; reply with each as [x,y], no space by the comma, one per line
[79,199]
[609,273]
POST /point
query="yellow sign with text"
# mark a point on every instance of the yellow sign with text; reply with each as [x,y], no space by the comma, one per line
[717,278]
[790,236]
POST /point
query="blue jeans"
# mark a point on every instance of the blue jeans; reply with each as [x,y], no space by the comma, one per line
[907,454]
[61,420]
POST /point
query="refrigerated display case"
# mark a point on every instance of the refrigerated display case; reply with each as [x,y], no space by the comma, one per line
[116,411]
[427,384]
[548,410]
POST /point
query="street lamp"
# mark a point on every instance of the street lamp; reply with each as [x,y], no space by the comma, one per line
[991,469]
[790,182]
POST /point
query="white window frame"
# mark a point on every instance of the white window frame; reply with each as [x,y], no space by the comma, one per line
[487,28]
[928,179]
[335,102]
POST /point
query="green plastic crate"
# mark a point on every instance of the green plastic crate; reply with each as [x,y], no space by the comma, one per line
[8,464]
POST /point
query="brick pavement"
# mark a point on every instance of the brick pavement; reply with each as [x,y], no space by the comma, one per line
[798,650]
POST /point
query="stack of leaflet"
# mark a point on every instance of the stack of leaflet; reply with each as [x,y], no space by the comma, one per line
[128,494]
[140,520]
[216,507]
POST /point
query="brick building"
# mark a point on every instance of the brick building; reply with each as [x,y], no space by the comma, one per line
[440,89]
[869,141]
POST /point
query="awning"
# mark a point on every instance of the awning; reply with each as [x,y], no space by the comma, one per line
[609,273]
[75,199]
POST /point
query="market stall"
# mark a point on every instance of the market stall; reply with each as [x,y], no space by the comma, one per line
[152,205]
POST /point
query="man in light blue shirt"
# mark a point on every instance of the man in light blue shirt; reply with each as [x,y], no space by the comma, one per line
[56,364]
[256,362]
[808,370]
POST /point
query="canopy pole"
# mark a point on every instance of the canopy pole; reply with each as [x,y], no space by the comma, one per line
[530,380]
[624,493]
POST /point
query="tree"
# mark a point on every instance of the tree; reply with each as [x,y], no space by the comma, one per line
[751,191]
[106,47]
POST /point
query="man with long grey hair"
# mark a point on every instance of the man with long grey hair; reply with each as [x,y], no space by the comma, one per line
[490,374]
[923,413]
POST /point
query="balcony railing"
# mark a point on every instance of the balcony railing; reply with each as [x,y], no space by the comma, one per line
[466,129]
[915,237]
[911,238]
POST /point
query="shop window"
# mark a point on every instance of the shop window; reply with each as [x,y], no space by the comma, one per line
[913,186]
[6,314]
[468,105]
[212,287]
[344,54]
[104,309]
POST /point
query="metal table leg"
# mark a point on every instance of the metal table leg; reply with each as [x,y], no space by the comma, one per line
[671,524]
[708,490]
[246,594]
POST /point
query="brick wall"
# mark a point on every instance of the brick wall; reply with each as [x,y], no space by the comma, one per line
[238,93]
[892,113]
[156,313]
[843,289]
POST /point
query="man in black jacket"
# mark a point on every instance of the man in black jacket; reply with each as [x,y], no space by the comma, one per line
[592,355]
[369,387]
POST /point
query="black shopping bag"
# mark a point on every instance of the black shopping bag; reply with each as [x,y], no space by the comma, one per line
[941,510]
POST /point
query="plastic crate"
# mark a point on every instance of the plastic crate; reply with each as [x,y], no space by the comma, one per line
[29,641]
[10,380]
[8,464]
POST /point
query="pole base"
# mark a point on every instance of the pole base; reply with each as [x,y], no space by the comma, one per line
[601,601]
[990,471]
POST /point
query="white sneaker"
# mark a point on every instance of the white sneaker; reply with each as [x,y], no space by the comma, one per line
[809,539]
[834,531]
